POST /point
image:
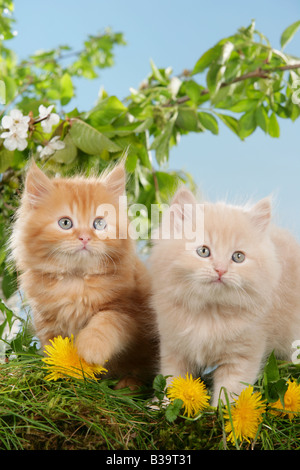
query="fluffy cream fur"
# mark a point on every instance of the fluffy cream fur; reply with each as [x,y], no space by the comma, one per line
[213,311]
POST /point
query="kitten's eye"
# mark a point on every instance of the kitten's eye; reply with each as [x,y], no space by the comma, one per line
[238,257]
[203,251]
[65,223]
[99,223]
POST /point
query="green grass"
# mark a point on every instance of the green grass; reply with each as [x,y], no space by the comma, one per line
[36,414]
[72,414]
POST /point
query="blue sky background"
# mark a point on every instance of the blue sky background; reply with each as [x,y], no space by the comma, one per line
[176,33]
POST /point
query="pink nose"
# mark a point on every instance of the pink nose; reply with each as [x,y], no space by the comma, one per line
[84,239]
[220,271]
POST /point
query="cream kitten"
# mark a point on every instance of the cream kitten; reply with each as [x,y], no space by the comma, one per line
[227,298]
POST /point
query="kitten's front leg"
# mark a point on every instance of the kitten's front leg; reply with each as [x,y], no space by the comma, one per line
[173,365]
[106,334]
[234,378]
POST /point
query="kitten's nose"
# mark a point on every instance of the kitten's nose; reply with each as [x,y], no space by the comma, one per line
[84,239]
[220,271]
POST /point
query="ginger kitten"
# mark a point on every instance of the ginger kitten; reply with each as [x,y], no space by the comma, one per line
[80,276]
[229,297]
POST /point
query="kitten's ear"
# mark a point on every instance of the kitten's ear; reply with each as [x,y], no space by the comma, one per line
[37,184]
[181,203]
[182,209]
[115,179]
[261,213]
[183,196]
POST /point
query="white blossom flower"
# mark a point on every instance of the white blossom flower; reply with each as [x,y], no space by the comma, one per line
[174,86]
[16,135]
[15,121]
[14,139]
[51,147]
[49,119]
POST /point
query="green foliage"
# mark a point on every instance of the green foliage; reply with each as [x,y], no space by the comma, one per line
[159,386]
[7,320]
[173,410]
[16,337]
[275,386]
[39,415]
[288,33]
[90,414]
[241,82]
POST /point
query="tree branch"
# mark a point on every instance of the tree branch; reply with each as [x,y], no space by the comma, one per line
[258,73]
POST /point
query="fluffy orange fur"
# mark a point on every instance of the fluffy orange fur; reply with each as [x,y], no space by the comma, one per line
[83,281]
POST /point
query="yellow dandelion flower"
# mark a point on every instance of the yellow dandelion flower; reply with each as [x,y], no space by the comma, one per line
[191,391]
[291,401]
[246,415]
[63,361]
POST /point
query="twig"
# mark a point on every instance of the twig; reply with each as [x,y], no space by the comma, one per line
[258,73]
[285,67]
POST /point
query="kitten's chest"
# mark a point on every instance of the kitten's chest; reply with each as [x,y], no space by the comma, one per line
[66,302]
[208,336]
[85,293]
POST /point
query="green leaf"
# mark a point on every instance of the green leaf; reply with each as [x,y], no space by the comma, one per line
[10,88]
[8,317]
[173,410]
[270,377]
[6,159]
[89,140]
[157,74]
[207,58]
[140,127]
[277,390]
[9,283]
[194,91]
[271,372]
[294,110]
[68,154]
[131,162]
[262,118]
[209,122]
[273,129]
[105,112]
[187,119]
[288,33]
[2,92]
[231,122]
[243,106]
[67,89]
[161,143]
[54,93]
[214,77]
[247,124]
[167,183]
[159,385]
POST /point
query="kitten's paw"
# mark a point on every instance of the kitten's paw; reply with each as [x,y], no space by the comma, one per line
[129,382]
[90,348]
